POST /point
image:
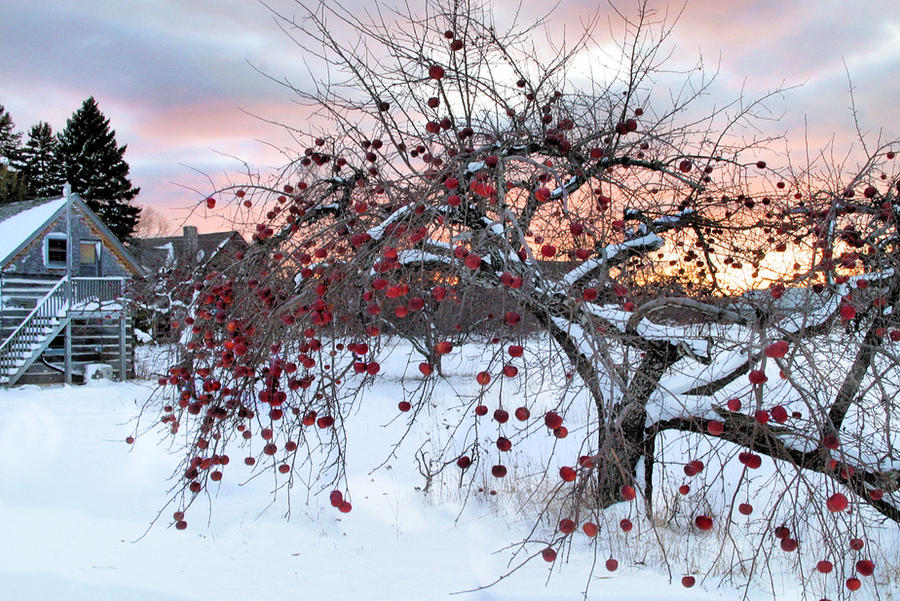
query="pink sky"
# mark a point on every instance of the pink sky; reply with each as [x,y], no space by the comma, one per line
[178,78]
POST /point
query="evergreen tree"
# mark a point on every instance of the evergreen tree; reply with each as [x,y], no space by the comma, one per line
[94,164]
[10,140]
[41,162]
[13,186]
[12,182]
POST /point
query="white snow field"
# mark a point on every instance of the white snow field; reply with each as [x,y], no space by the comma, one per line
[77,502]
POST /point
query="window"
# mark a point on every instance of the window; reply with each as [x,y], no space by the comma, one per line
[89,258]
[90,251]
[55,250]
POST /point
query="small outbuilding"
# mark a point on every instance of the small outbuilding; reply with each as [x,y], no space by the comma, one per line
[63,283]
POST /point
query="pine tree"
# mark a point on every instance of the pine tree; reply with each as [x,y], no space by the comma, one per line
[94,164]
[41,162]
[13,186]
[12,182]
[10,140]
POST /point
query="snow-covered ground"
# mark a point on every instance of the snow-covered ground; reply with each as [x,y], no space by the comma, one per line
[77,502]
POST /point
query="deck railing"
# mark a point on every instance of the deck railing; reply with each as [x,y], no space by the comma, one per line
[97,290]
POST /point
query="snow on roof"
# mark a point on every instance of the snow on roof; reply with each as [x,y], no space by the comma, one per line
[17,228]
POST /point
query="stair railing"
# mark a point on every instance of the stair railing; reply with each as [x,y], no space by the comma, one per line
[24,338]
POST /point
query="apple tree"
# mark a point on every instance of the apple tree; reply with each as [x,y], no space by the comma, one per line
[708,325]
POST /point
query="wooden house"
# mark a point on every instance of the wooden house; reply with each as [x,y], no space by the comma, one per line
[63,278]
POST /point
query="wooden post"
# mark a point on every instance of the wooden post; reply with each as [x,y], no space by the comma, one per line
[68,350]
[123,360]
[70,255]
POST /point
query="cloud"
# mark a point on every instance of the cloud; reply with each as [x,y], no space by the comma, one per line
[151,55]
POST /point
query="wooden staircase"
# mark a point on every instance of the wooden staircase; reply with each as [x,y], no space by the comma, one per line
[50,314]
[34,334]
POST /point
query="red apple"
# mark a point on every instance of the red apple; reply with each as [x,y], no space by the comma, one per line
[553,420]
[777,350]
[703,522]
[779,414]
[836,502]
[865,567]
[443,347]
[757,376]
[788,544]
[566,526]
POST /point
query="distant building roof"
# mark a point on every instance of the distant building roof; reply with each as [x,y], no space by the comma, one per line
[171,251]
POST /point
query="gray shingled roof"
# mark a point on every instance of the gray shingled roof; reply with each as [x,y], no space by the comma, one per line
[153,253]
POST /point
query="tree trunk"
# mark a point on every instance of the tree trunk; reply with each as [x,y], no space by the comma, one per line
[621,439]
[621,428]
